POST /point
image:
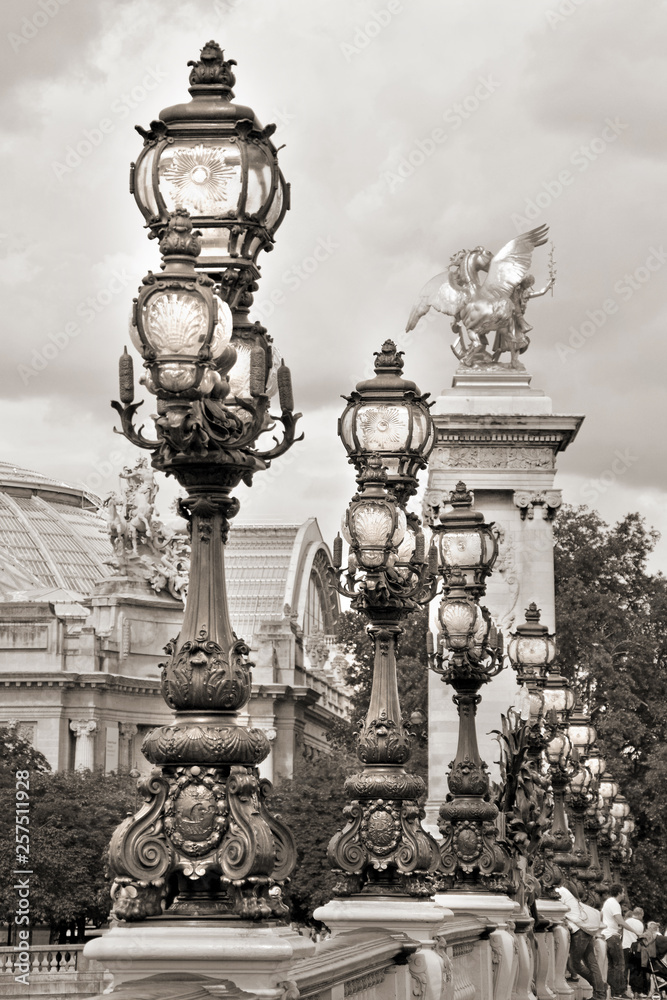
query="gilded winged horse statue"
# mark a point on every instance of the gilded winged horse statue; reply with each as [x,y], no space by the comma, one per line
[494,305]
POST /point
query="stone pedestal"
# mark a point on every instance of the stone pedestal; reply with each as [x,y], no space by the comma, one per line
[501,438]
[419,919]
[257,958]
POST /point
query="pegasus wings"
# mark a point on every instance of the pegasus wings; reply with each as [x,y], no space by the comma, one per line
[511,264]
[440,294]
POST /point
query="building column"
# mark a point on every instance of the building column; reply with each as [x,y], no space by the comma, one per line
[84,756]
[128,731]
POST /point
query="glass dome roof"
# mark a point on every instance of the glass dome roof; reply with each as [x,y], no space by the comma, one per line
[51,534]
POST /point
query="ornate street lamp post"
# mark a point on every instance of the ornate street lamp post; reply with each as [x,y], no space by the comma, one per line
[607,790]
[531,650]
[383,849]
[205,842]
[582,794]
[467,655]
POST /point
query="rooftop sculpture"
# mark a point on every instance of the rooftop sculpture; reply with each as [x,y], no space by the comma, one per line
[482,307]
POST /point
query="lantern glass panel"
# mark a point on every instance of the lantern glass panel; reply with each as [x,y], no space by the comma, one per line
[457,619]
[259,178]
[276,208]
[205,179]
[581,736]
[382,428]
[421,426]
[531,650]
[222,331]
[608,789]
[143,182]
[560,699]
[401,527]
[272,380]
[214,242]
[175,322]
[347,429]
[557,748]
[372,524]
[461,548]
[596,765]
[239,375]
[620,809]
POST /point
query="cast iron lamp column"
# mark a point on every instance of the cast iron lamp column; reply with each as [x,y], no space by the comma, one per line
[531,650]
[607,790]
[468,654]
[561,768]
[582,791]
[205,843]
[383,849]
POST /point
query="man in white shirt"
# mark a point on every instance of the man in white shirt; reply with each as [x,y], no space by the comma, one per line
[612,925]
[582,942]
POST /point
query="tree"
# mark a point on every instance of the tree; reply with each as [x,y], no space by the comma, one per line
[17,754]
[412,675]
[72,817]
[311,803]
[611,618]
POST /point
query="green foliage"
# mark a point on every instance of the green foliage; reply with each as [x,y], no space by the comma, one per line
[17,754]
[72,817]
[412,676]
[311,804]
[611,617]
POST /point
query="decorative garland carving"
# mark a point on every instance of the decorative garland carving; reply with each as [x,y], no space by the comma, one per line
[383,741]
[201,676]
[183,744]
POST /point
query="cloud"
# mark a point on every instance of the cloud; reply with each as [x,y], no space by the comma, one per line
[346,124]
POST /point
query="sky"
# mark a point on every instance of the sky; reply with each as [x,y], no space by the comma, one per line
[410,130]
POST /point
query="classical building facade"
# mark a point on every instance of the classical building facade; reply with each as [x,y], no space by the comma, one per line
[88,602]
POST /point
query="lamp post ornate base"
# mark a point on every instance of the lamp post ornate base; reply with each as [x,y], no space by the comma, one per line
[383,849]
[204,840]
[470,856]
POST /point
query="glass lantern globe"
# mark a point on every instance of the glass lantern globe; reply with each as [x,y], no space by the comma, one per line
[387,416]
[374,525]
[580,782]
[531,649]
[558,696]
[558,749]
[608,789]
[620,807]
[213,158]
[466,542]
[458,618]
[595,762]
[181,328]
[581,732]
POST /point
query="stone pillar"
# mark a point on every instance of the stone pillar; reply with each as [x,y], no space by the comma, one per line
[501,438]
[84,756]
[128,731]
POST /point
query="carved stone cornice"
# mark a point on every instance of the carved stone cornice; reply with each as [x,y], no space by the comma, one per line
[62,679]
